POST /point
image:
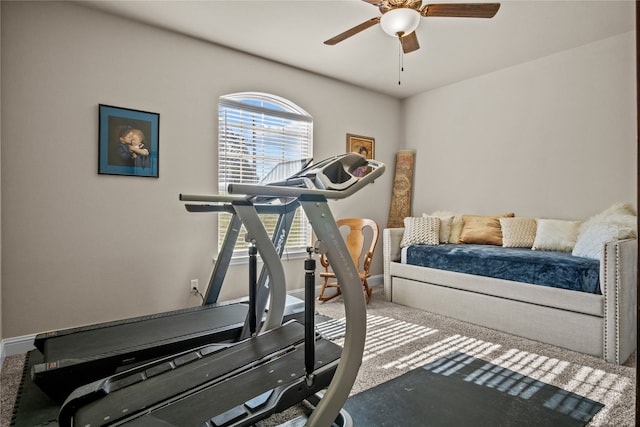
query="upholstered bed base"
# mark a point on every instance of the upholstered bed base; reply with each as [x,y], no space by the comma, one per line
[600,325]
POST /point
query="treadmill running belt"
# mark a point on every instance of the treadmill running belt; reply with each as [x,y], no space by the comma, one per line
[208,384]
[144,333]
[72,360]
[285,375]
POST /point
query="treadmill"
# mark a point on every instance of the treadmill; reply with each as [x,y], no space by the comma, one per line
[239,384]
[76,356]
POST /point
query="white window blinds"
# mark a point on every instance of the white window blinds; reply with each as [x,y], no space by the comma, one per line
[255,133]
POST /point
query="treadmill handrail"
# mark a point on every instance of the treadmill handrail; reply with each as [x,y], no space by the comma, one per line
[226,251]
[220,198]
[301,184]
[319,213]
[310,188]
[277,279]
[262,208]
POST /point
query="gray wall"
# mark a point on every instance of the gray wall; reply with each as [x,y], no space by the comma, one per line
[79,247]
[554,137]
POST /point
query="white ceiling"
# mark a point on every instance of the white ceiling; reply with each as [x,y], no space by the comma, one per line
[452,49]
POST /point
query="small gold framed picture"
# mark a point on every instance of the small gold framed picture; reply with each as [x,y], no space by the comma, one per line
[362,145]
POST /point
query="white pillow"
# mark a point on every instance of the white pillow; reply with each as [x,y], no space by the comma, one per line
[614,223]
[555,235]
[421,231]
[590,241]
[445,226]
[615,209]
[619,212]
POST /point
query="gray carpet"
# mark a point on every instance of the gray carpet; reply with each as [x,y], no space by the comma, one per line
[400,339]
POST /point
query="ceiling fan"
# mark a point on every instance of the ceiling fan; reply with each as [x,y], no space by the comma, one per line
[400,18]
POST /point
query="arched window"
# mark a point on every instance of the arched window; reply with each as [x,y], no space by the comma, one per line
[257,131]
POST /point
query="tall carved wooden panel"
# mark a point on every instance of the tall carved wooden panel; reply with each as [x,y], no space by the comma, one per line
[402,189]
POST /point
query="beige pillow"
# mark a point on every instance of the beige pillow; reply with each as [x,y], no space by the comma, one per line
[555,235]
[518,232]
[456,224]
[421,231]
[445,226]
[482,230]
[456,229]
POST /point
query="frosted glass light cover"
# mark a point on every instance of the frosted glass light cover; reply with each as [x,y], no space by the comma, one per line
[401,20]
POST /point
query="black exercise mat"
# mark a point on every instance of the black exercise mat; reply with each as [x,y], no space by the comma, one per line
[460,390]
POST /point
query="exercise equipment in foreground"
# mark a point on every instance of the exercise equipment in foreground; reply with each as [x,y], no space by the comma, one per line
[77,356]
[242,383]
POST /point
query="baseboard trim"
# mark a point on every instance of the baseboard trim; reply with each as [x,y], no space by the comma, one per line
[16,345]
[376,280]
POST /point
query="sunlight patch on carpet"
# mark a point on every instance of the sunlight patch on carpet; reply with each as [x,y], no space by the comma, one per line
[532,365]
[332,329]
[604,387]
[442,348]
[383,334]
[591,383]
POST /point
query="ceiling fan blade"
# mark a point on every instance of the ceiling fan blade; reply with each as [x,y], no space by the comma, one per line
[409,42]
[461,10]
[353,31]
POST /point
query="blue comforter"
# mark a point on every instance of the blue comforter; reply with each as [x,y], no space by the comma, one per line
[555,269]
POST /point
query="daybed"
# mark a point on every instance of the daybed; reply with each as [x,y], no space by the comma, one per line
[602,323]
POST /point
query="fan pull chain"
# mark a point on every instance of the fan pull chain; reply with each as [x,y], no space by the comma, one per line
[400,60]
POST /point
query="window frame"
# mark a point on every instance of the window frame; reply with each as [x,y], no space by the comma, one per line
[273,111]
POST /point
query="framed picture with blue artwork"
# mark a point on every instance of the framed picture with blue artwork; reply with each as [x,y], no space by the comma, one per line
[128,142]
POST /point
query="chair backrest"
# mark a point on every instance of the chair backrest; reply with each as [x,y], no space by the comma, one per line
[359,230]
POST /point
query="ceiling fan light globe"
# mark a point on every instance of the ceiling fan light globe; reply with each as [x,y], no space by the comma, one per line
[401,20]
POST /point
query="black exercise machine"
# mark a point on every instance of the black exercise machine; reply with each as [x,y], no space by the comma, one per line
[239,384]
[76,356]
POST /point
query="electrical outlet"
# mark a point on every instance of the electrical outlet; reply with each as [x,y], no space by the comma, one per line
[194,286]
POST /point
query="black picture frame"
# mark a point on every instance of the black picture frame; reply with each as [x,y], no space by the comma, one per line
[124,136]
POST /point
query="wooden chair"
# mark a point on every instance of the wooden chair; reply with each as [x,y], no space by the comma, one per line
[361,255]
